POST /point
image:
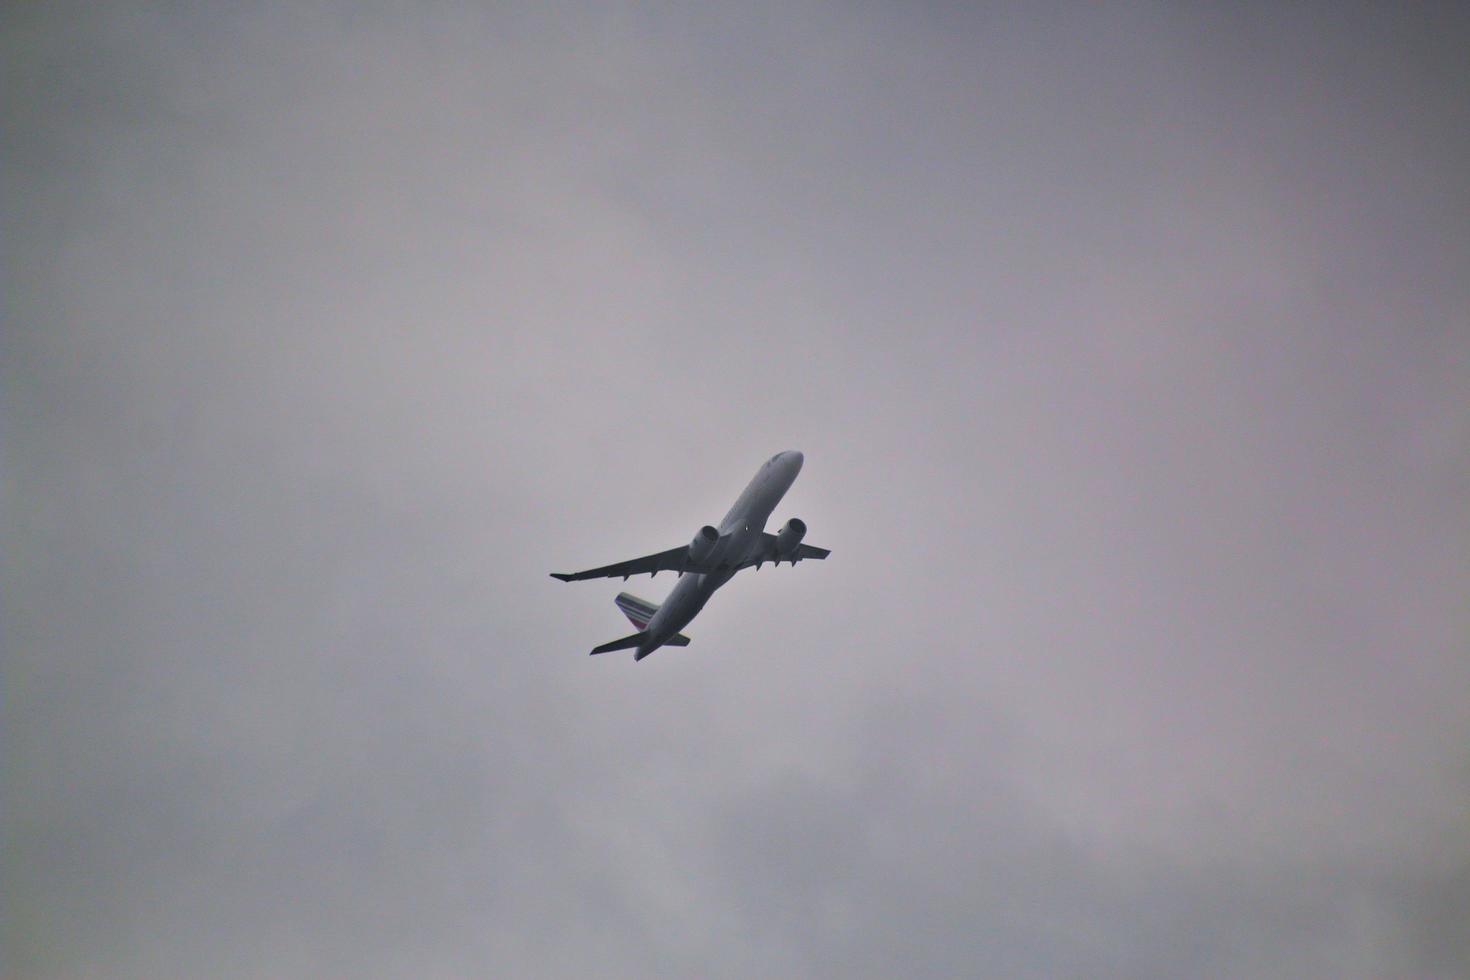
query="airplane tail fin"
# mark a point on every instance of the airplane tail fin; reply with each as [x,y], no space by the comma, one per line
[639,611]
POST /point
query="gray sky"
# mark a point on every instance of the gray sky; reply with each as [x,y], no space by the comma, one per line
[1129,349]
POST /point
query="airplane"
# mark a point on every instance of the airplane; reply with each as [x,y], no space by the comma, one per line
[709,561]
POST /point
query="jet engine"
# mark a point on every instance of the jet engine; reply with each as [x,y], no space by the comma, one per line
[703,544]
[789,537]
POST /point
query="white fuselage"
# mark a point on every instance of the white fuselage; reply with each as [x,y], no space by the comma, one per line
[740,535]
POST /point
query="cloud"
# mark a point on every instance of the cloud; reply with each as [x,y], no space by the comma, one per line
[1127,352]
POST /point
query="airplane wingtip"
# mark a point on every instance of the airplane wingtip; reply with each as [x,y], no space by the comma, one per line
[561,576]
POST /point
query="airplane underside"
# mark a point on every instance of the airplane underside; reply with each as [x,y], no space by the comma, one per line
[710,560]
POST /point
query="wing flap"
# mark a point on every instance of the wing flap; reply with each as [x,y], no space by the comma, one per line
[673,560]
[767,552]
[677,560]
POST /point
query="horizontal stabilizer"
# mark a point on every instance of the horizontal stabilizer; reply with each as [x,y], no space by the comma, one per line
[628,642]
[625,643]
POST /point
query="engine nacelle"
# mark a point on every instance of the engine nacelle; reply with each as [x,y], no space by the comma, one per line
[789,537]
[703,544]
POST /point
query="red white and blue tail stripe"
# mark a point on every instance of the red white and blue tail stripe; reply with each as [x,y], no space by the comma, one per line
[639,611]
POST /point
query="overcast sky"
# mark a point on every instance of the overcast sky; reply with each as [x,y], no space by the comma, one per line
[1129,349]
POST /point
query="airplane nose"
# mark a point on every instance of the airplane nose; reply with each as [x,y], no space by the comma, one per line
[795,458]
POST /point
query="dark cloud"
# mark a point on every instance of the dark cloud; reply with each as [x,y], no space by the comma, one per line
[1128,349]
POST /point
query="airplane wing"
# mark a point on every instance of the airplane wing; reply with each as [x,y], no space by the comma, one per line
[673,560]
[767,552]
